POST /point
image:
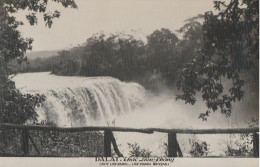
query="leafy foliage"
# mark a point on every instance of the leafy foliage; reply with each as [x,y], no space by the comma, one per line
[244,146]
[137,151]
[15,107]
[230,46]
[199,148]
[243,149]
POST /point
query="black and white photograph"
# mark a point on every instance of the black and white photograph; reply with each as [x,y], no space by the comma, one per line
[129,83]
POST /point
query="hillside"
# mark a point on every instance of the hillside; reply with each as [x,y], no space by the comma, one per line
[41,54]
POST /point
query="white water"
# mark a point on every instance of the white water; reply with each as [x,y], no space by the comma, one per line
[165,112]
[82,101]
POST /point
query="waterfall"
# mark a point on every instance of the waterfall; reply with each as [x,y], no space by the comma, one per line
[102,101]
[81,101]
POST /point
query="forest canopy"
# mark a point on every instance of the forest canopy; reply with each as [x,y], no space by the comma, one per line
[125,57]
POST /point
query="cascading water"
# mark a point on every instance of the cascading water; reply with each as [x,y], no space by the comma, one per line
[81,101]
[106,101]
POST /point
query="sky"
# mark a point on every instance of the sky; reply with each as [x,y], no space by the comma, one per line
[110,16]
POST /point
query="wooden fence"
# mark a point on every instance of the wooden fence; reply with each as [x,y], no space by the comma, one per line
[174,149]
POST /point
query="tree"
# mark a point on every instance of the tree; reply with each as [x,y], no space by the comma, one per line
[14,106]
[230,48]
[192,39]
[116,55]
[162,52]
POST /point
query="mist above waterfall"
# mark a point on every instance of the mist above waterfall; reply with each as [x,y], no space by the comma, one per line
[163,111]
[81,101]
[106,101]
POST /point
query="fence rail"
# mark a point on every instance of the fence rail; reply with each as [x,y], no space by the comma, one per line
[174,149]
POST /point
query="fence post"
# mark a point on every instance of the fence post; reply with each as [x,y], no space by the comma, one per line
[107,142]
[25,143]
[113,140]
[172,145]
[256,144]
[34,145]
